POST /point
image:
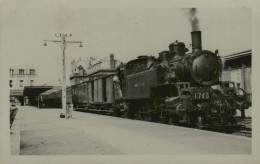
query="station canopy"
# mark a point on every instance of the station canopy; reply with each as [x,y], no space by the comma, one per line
[36,90]
[18,92]
[50,91]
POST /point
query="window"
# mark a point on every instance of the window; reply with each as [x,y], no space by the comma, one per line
[11,71]
[11,83]
[81,72]
[31,82]
[21,72]
[138,65]
[32,71]
[21,83]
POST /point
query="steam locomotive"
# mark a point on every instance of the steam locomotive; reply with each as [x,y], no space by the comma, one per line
[175,88]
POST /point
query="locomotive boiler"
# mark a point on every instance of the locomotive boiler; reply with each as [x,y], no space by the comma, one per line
[175,87]
[200,67]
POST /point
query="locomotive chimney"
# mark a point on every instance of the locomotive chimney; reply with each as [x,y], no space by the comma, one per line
[196,40]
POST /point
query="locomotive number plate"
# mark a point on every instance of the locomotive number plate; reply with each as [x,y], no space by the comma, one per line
[199,94]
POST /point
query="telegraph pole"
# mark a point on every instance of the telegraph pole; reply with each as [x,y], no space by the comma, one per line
[63,45]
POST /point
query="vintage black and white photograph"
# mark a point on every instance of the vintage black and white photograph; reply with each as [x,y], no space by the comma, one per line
[128,81]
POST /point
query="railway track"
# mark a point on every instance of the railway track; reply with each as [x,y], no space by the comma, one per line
[241,127]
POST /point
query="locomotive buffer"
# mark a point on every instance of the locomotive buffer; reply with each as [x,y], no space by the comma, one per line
[63,45]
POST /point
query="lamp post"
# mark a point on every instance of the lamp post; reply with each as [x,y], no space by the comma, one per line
[63,45]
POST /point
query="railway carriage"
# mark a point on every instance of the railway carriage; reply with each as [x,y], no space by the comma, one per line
[96,93]
[80,96]
[53,98]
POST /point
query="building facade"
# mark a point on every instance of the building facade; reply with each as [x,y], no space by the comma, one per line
[94,80]
[18,79]
[237,67]
[82,69]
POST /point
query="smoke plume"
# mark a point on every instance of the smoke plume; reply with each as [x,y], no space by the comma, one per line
[193,19]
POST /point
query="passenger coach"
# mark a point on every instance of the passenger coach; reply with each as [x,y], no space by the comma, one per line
[95,91]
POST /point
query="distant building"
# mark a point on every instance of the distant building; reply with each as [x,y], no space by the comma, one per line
[78,70]
[238,68]
[82,70]
[19,78]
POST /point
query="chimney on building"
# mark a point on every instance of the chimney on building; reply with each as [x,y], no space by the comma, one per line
[112,61]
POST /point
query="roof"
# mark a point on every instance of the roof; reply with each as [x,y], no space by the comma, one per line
[237,55]
[50,91]
[27,66]
[105,71]
[35,90]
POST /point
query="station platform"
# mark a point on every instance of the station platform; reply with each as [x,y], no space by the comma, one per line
[43,132]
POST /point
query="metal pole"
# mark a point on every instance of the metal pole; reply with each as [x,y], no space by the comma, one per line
[62,44]
[64,78]
[64,86]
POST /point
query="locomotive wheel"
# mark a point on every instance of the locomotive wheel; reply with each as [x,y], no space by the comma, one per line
[117,112]
[126,115]
[173,121]
[163,120]
[145,118]
[137,116]
[148,118]
[191,121]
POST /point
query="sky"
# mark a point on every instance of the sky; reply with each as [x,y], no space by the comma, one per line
[125,32]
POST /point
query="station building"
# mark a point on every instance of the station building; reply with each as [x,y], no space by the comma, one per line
[83,68]
[78,70]
[18,79]
[97,75]
[237,67]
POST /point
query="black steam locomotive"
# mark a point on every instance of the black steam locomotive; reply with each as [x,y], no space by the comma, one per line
[174,88]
